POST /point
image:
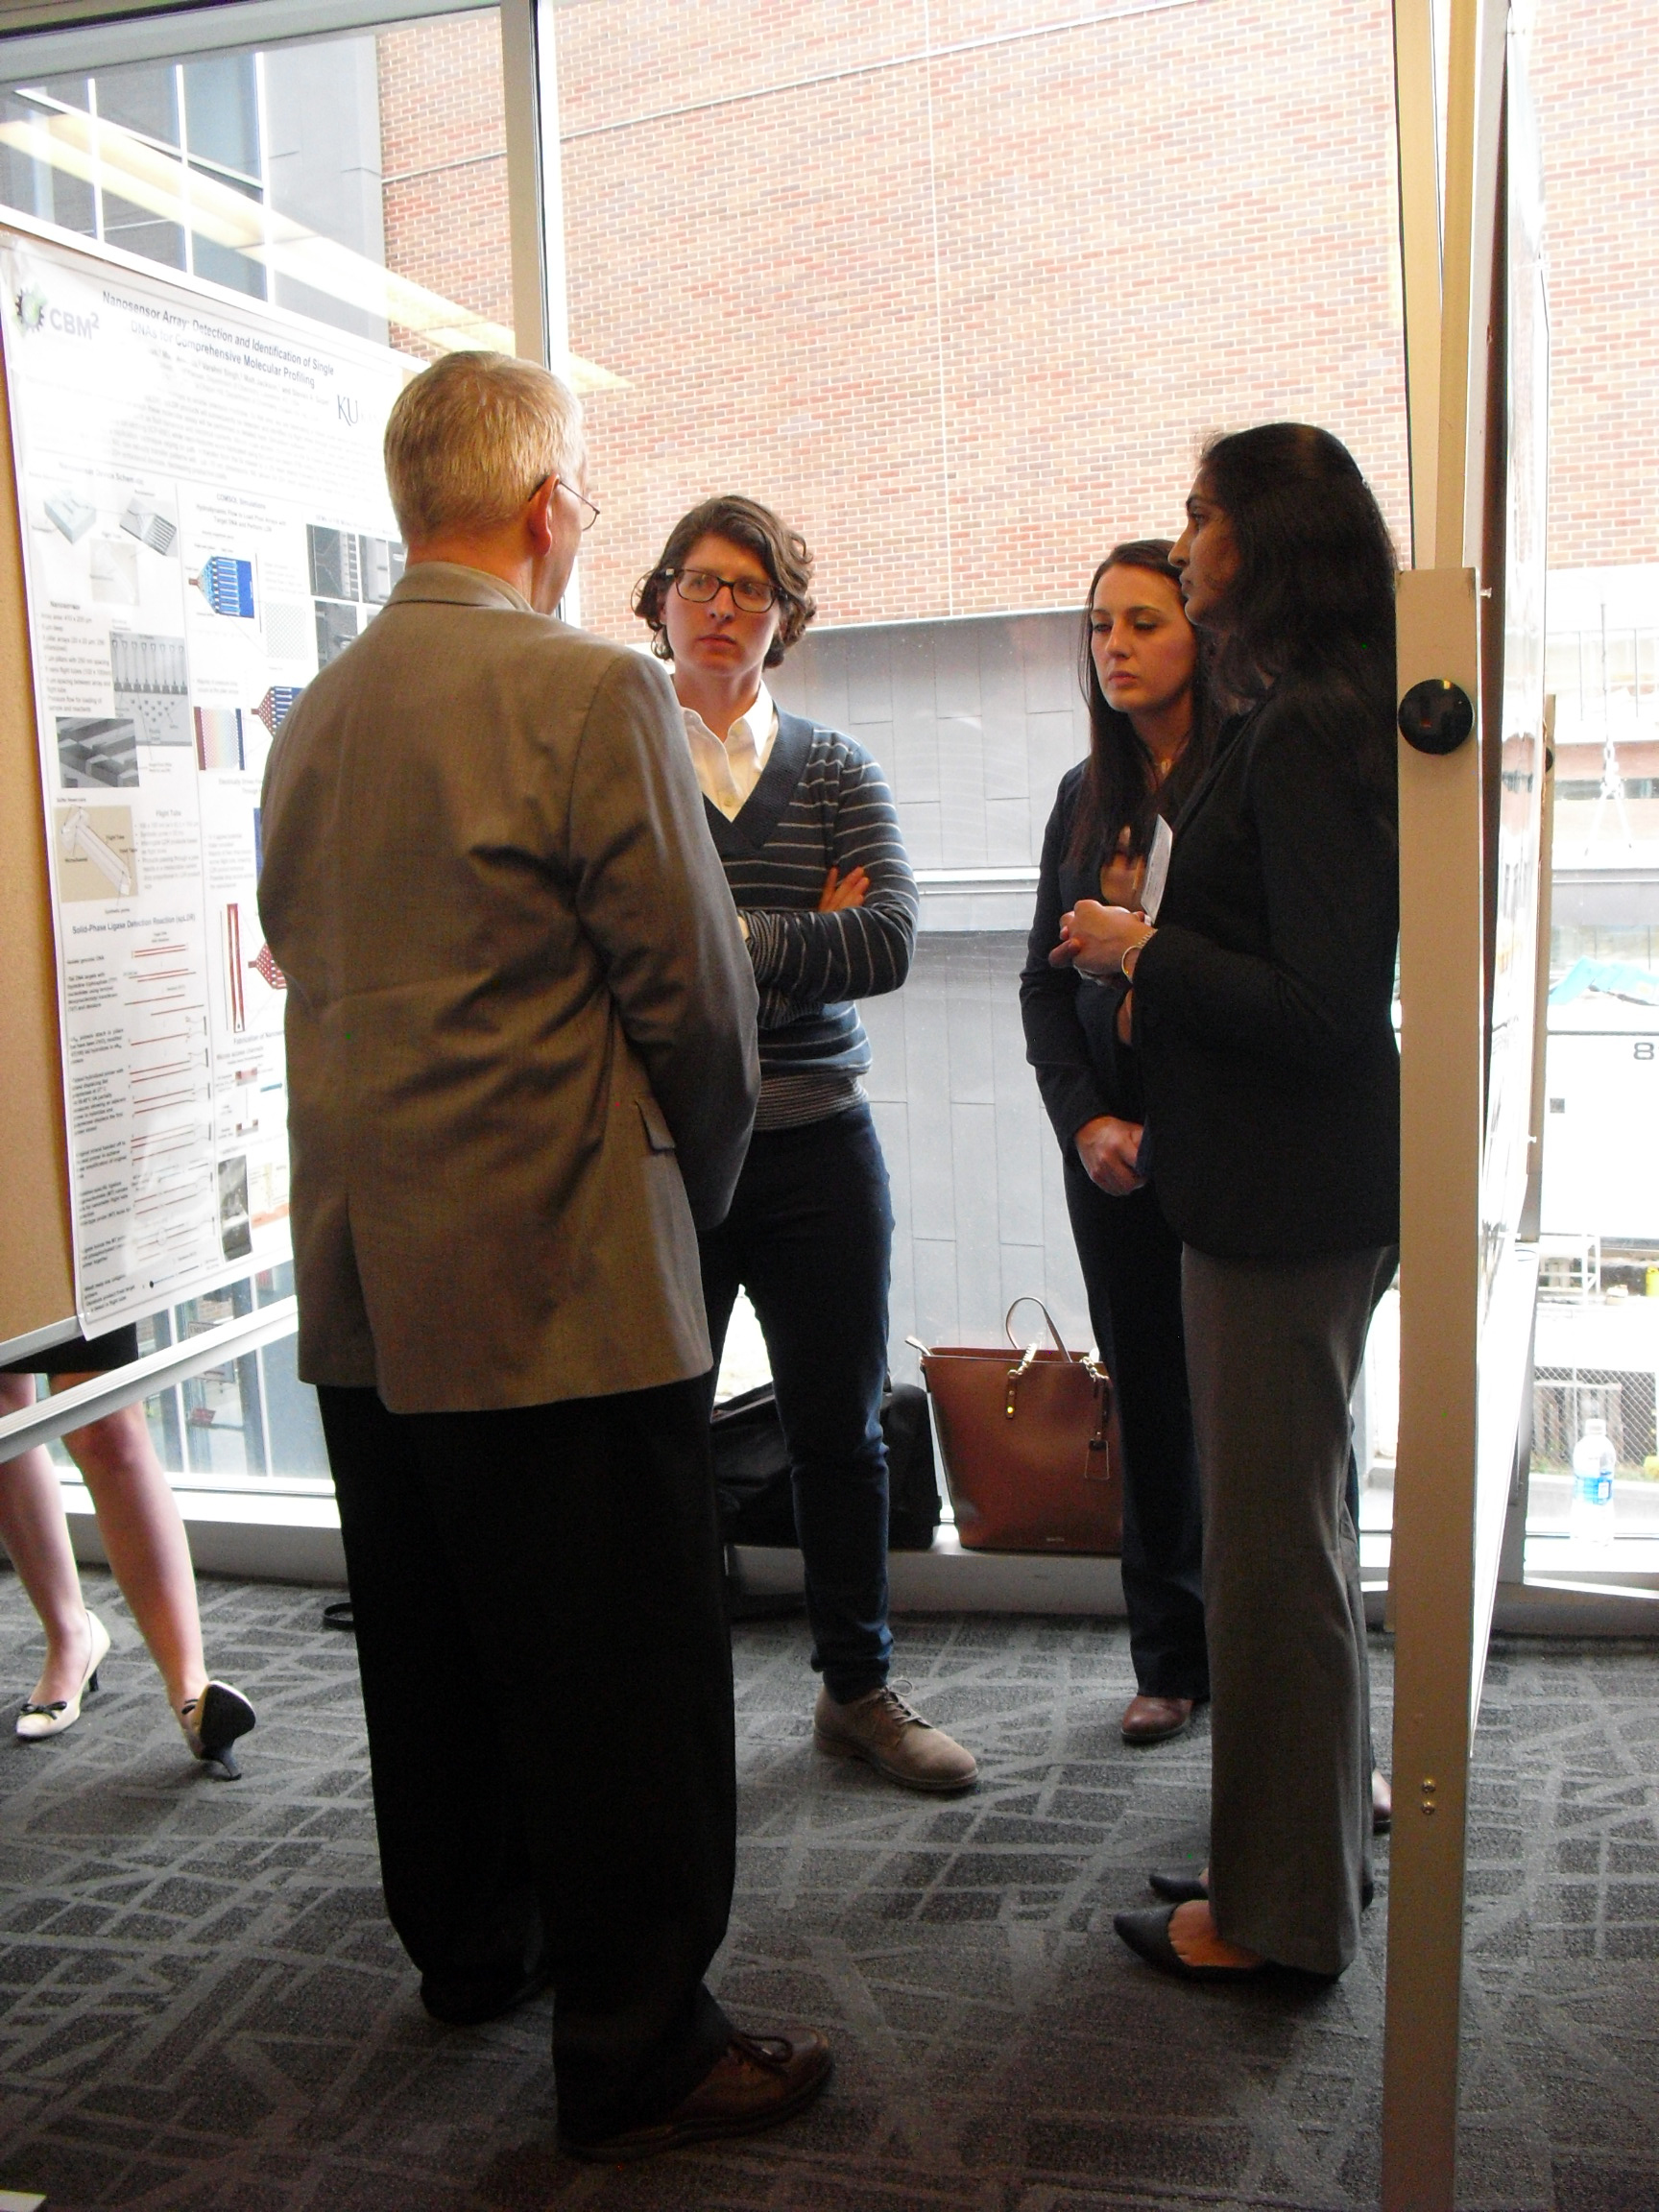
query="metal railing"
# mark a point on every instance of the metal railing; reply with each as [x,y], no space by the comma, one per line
[102,1394]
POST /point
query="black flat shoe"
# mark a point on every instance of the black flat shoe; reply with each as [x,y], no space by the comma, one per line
[1148,1936]
[1179,1889]
[213,1722]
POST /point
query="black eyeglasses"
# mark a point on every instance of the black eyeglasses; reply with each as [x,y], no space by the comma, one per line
[750,594]
[589,513]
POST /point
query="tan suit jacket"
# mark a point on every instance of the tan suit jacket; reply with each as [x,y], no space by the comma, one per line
[521,1021]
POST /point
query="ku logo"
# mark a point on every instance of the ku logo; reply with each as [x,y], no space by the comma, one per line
[350,409]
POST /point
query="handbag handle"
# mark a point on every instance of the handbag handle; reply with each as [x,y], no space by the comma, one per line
[1031,1300]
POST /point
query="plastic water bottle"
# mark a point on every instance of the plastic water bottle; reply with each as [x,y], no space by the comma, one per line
[1592,1465]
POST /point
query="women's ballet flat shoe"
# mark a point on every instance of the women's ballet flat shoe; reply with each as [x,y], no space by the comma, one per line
[1148,1936]
[34,1722]
[213,1722]
[1179,1889]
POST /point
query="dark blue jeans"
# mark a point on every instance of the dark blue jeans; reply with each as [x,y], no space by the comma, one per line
[809,1236]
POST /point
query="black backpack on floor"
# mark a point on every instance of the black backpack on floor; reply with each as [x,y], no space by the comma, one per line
[752,1470]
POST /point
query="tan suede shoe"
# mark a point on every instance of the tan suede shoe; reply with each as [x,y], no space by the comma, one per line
[892,1737]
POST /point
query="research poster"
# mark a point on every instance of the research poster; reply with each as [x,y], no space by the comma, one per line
[204,525]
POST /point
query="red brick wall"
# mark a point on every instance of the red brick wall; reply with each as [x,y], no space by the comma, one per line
[444,161]
[1596,80]
[963,316]
[1147,228]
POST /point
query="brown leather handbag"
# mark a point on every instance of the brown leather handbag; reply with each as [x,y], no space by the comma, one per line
[1032,1448]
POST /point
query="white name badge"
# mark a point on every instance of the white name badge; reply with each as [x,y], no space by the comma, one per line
[1157,869]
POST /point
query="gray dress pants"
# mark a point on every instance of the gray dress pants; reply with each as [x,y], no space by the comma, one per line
[1273,1352]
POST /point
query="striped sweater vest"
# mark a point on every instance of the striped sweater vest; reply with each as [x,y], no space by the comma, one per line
[821,802]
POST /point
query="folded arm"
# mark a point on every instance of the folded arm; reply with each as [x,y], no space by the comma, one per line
[822,957]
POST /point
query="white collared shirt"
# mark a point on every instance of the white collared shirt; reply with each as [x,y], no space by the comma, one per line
[728,772]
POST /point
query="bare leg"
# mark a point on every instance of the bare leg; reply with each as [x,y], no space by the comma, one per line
[149,1552]
[34,1532]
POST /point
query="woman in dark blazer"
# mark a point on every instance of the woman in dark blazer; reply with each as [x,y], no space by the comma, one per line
[1151,729]
[1260,1007]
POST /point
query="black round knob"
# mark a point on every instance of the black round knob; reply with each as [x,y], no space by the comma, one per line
[1436,715]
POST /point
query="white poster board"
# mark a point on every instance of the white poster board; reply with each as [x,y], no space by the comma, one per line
[204,523]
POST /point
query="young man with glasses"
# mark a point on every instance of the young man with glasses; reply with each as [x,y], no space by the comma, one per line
[804,827]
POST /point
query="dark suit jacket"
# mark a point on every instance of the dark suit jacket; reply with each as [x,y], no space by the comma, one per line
[1263,1005]
[1070,1023]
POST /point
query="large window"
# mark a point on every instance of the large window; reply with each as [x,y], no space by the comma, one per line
[360,179]
[1598,1339]
[960,289]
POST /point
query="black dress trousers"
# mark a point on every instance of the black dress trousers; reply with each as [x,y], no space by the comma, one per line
[547,1681]
[1131,1263]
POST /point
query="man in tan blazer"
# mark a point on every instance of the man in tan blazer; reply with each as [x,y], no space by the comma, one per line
[522,1077]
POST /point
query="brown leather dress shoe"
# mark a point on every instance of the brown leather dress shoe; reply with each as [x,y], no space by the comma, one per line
[1150,1720]
[756,2081]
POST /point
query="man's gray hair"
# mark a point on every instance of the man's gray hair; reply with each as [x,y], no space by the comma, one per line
[469,438]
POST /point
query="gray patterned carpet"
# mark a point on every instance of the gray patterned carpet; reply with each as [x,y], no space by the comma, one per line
[201,2005]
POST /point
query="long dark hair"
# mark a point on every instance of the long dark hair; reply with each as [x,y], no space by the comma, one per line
[1120,788]
[1314,591]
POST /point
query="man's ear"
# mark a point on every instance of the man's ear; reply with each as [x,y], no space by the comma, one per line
[539,517]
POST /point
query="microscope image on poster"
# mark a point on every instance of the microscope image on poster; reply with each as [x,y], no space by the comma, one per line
[351,576]
[235,1227]
[97,752]
[152,686]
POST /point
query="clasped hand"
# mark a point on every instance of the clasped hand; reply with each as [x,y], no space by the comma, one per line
[1109,1149]
[1094,938]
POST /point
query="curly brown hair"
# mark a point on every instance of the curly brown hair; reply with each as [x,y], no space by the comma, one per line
[781,551]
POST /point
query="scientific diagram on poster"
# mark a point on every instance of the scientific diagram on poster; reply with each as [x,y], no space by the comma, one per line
[204,526]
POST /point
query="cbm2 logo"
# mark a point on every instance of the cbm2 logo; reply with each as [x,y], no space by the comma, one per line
[350,411]
[35,312]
